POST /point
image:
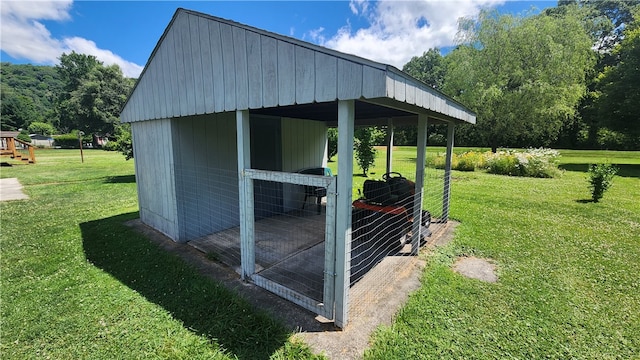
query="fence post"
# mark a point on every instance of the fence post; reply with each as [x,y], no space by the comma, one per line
[390,131]
[245,192]
[446,194]
[346,115]
[417,198]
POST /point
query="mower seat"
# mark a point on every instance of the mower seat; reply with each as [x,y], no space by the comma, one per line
[379,192]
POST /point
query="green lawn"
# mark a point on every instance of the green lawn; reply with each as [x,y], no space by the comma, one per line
[76,283]
[569,271]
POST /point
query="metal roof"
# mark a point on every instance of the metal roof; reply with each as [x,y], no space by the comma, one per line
[203,64]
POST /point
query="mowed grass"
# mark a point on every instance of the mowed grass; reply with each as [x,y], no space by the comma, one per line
[78,284]
[569,271]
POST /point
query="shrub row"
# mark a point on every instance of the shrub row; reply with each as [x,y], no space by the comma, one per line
[70,141]
[541,163]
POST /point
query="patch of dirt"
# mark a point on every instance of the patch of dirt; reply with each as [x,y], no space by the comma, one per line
[476,268]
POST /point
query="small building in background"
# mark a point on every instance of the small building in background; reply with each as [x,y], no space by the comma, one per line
[41,141]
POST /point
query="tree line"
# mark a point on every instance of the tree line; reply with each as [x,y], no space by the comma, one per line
[567,77]
[80,94]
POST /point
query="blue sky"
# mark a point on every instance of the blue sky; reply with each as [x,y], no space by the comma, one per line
[125,32]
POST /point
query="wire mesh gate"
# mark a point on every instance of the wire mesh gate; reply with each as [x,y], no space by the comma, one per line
[292,259]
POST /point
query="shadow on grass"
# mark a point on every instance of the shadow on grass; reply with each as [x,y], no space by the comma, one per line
[205,307]
[121,179]
[584,201]
[624,170]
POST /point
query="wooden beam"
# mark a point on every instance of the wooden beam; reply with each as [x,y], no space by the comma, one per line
[346,116]
[446,194]
[417,199]
[245,191]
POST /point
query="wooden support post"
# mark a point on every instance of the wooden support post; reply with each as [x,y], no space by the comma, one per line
[346,115]
[11,144]
[390,131]
[417,199]
[446,194]
[245,191]
[32,154]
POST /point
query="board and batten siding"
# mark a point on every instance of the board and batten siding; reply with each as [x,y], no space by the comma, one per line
[206,174]
[304,145]
[154,163]
[203,65]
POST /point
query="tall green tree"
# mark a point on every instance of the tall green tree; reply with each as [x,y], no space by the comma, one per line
[28,94]
[41,128]
[94,94]
[429,68]
[619,101]
[17,111]
[605,21]
[523,76]
[363,143]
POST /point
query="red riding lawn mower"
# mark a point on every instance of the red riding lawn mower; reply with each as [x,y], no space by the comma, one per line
[382,220]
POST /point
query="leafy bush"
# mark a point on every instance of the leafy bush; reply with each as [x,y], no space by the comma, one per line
[24,136]
[70,141]
[600,179]
[66,141]
[503,163]
[439,161]
[332,142]
[41,128]
[469,161]
[123,141]
[437,140]
[540,163]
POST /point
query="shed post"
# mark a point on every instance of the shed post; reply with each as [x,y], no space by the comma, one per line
[346,115]
[446,194]
[417,199]
[390,131]
[245,191]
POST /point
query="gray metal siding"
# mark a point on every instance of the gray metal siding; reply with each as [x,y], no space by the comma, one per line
[154,175]
[304,144]
[206,174]
[415,93]
[206,66]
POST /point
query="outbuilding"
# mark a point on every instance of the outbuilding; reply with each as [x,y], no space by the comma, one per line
[226,118]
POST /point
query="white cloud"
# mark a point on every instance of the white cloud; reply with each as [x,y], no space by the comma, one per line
[25,37]
[316,35]
[399,30]
[84,46]
[359,6]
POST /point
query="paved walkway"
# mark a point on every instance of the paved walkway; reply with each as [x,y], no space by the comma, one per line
[11,189]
